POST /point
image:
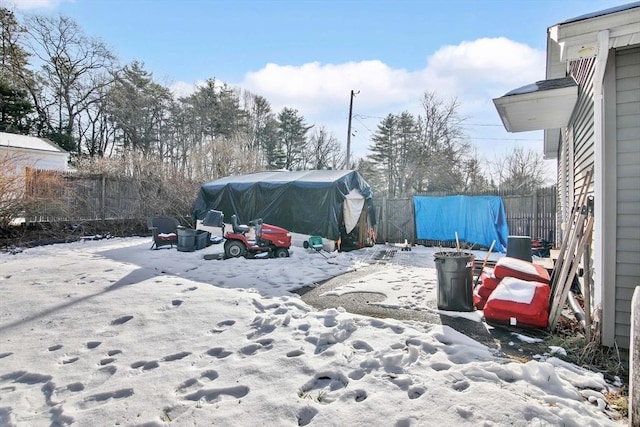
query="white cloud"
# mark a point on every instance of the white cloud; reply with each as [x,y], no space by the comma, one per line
[182,89]
[482,69]
[35,4]
[473,72]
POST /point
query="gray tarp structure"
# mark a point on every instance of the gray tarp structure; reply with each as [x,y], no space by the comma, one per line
[327,203]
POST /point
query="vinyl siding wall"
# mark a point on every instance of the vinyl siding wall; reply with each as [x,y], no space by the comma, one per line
[583,122]
[627,274]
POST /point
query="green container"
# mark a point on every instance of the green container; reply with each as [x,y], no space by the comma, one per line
[202,239]
[186,239]
[455,280]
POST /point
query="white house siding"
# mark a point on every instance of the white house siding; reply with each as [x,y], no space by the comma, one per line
[582,122]
[565,183]
[627,274]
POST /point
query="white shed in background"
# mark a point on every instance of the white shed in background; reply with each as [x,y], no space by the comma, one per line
[30,151]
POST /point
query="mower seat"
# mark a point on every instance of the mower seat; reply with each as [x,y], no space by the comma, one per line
[238,228]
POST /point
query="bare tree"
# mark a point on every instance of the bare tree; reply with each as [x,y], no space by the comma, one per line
[72,71]
[521,171]
[424,153]
[444,147]
[323,150]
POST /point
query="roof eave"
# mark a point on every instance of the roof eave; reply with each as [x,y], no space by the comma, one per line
[549,109]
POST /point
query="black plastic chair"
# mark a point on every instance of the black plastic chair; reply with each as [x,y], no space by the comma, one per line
[164,230]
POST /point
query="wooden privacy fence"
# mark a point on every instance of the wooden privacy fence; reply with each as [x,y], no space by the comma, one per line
[69,196]
[75,197]
[527,215]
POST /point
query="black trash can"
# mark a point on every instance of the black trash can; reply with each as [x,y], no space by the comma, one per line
[186,239]
[455,280]
[519,247]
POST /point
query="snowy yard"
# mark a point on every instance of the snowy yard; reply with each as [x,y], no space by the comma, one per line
[111,333]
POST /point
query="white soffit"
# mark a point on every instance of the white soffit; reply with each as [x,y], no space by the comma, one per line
[578,38]
[547,104]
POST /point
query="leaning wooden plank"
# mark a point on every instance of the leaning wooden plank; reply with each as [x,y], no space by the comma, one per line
[574,216]
[564,278]
[586,291]
[566,285]
[560,271]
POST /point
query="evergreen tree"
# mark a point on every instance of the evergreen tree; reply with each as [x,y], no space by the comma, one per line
[292,139]
[138,107]
[15,105]
[15,108]
[384,152]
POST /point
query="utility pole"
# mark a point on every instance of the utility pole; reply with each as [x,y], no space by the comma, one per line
[347,162]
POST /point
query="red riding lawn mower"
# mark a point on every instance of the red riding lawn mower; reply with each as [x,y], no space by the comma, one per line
[270,239]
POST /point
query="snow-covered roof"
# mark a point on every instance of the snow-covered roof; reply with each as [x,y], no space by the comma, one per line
[26,142]
[609,11]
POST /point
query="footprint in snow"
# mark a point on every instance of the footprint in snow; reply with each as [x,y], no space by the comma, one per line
[61,393]
[259,345]
[103,398]
[121,320]
[102,375]
[218,394]
[416,391]
[306,415]
[218,352]
[176,356]
[145,365]
[197,383]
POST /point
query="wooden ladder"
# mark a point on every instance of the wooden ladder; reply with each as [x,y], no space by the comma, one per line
[571,251]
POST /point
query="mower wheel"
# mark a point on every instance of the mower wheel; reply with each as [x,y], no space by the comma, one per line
[234,249]
[281,253]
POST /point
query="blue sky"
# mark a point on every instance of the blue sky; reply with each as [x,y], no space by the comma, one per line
[309,54]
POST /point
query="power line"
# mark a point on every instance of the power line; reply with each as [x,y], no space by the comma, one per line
[482,124]
[507,139]
[364,116]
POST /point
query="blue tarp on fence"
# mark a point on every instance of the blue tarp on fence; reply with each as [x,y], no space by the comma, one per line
[477,219]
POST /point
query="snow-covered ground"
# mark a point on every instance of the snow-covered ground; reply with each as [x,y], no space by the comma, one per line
[108,332]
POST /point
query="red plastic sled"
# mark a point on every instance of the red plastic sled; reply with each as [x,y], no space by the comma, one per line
[519,302]
[520,269]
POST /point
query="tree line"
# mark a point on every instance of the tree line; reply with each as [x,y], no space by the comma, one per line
[58,83]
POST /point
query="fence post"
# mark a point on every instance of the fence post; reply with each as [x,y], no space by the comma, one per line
[384,219]
[536,220]
[634,360]
[103,197]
